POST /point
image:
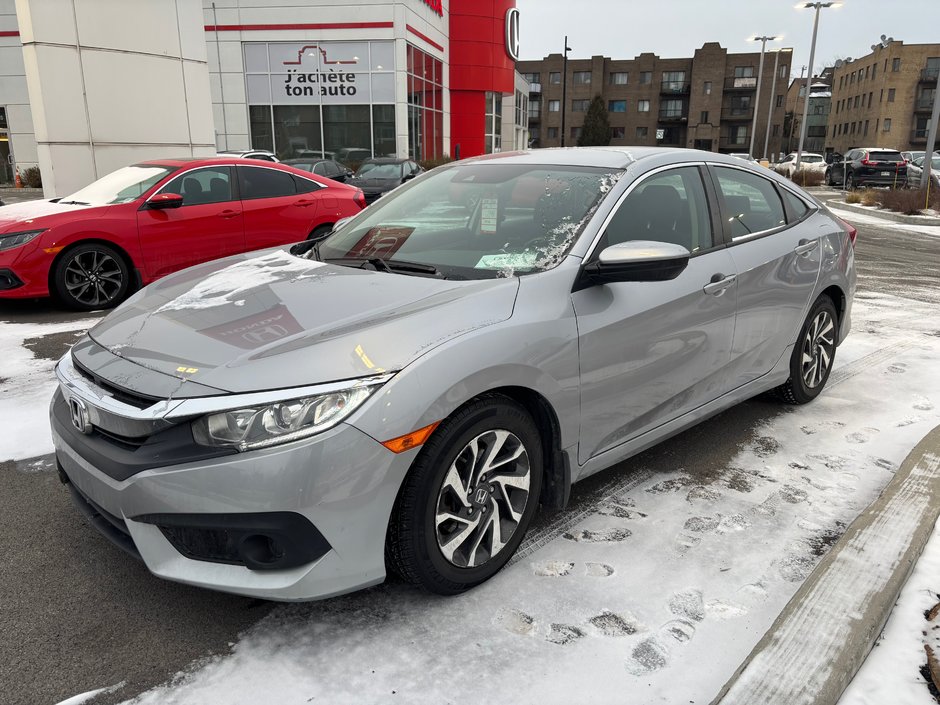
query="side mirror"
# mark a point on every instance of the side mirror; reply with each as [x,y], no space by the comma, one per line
[165,200]
[637,261]
[409,177]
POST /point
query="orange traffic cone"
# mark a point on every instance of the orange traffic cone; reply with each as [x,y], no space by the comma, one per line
[17,180]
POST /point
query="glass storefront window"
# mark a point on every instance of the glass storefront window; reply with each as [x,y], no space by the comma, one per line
[425,105]
[494,122]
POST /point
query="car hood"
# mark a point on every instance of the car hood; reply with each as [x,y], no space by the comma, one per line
[374,184]
[270,320]
[39,214]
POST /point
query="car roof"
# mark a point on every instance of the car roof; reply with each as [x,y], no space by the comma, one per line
[207,161]
[876,149]
[387,160]
[604,157]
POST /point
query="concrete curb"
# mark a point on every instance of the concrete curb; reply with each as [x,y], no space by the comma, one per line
[823,635]
[886,215]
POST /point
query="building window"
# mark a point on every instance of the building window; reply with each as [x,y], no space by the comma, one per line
[891,92]
[534,133]
[553,133]
[671,108]
[779,101]
[703,117]
[738,135]
[618,133]
[522,109]
[841,78]
[674,81]
[707,88]
[776,130]
[579,106]
[856,103]
[865,131]
[575,133]
[642,133]
[582,78]
[852,77]
[784,71]
[554,77]
[881,98]
[870,96]
[619,78]
[532,77]
[895,66]
[617,106]
[886,126]
[643,106]
[874,70]
[290,114]
[743,71]
[646,77]
[740,105]
[554,106]
[494,122]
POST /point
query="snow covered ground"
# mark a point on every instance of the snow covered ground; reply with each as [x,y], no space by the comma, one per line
[865,219]
[653,595]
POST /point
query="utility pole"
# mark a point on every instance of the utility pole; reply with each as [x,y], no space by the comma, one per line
[564,90]
[809,76]
[770,110]
[931,137]
[760,75]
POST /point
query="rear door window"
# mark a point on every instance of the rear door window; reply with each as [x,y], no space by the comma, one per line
[202,186]
[750,202]
[305,185]
[257,182]
[796,206]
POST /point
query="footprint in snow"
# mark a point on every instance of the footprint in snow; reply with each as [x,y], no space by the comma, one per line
[622,509]
[685,543]
[704,494]
[923,404]
[898,368]
[600,536]
[862,436]
[681,630]
[793,495]
[553,569]
[700,525]
[765,446]
[598,570]
[562,634]
[907,421]
[724,610]
[611,624]
[516,622]
[796,568]
[648,656]
[688,604]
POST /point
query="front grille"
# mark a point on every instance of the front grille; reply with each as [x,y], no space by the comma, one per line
[8,280]
[125,442]
[139,401]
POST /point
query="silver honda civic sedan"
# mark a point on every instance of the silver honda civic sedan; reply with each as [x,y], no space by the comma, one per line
[406,392]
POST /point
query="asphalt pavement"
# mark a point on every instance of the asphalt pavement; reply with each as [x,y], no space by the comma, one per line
[77,614]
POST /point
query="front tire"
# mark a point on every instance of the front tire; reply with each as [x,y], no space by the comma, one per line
[813,354]
[90,277]
[468,498]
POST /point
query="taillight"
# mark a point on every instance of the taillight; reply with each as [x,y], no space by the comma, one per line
[867,162]
[850,229]
[360,198]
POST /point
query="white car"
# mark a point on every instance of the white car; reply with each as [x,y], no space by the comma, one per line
[809,161]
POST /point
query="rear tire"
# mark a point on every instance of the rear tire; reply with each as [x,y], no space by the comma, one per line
[90,277]
[850,183]
[468,498]
[320,232]
[813,355]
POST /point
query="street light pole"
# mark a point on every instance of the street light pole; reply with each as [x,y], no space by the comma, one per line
[760,75]
[564,89]
[809,74]
[770,110]
[931,137]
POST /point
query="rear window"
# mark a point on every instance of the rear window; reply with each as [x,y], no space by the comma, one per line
[811,158]
[885,156]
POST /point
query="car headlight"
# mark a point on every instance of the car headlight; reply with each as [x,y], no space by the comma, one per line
[10,240]
[266,425]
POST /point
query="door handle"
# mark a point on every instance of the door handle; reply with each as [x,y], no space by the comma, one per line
[229,213]
[805,247]
[304,202]
[718,284]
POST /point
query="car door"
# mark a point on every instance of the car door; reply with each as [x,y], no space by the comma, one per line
[777,258]
[278,211]
[651,351]
[208,225]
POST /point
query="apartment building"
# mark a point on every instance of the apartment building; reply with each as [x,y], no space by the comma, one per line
[884,99]
[817,117]
[706,102]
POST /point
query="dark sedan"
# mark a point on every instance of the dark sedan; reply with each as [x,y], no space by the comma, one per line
[377,177]
[326,168]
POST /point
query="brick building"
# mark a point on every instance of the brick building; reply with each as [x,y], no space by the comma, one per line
[817,118]
[706,101]
[884,99]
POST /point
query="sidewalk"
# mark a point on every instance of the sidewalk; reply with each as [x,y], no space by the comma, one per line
[822,637]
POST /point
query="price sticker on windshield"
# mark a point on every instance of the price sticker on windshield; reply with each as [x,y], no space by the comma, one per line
[489,208]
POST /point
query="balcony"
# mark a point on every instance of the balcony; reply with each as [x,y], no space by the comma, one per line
[929,75]
[919,136]
[674,115]
[674,88]
[735,114]
[734,142]
[535,89]
[535,115]
[923,105]
[741,83]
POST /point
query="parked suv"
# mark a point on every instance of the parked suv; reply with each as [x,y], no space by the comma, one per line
[868,166]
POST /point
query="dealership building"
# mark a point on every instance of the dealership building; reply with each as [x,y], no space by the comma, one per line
[110,83]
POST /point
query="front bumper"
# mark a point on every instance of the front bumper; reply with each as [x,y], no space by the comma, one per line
[24,272]
[341,483]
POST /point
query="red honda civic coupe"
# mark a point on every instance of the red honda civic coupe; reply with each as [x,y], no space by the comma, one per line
[139,223]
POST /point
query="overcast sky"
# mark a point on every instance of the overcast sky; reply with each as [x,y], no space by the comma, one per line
[622,29]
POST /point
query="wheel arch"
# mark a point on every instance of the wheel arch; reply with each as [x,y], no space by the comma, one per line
[835,293]
[96,240]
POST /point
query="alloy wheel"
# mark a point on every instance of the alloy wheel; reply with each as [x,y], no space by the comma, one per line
[483,498]
[93,278]
[817,351]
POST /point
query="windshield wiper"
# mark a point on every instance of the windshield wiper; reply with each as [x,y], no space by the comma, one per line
[391,265]
[77,203]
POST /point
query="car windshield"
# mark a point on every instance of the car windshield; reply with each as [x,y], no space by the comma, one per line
[380,171]
[120,186]
[478,221]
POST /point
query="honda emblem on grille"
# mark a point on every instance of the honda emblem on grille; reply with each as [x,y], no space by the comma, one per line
[79,413]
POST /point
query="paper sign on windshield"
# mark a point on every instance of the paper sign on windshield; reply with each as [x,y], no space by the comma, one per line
[523,260]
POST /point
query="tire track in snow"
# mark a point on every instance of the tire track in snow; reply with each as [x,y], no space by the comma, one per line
[870,360]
